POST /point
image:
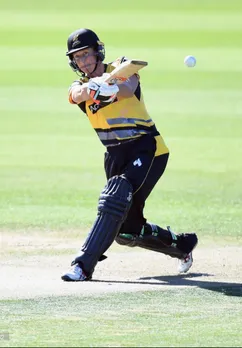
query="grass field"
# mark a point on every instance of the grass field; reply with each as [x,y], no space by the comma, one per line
[51,174]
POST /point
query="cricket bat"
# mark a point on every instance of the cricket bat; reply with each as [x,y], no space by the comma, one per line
[126,69]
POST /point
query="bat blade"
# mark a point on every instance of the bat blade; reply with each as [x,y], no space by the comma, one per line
[126,69]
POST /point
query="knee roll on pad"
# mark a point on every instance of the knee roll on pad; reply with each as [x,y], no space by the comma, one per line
[116,197]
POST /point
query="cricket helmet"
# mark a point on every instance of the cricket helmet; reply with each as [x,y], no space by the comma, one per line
[84,38]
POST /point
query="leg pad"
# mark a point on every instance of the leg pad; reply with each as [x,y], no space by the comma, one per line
[113,206]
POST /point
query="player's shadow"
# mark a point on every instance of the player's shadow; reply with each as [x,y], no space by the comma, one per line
[229,289]
[226,288]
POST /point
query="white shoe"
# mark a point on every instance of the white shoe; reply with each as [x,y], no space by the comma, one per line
[185,264]
[75,275]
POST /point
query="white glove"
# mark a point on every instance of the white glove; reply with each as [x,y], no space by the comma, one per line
[101,91]
[100,79]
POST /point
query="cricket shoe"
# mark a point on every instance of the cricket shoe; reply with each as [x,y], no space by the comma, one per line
[76,275]
[185,263]
[186,242]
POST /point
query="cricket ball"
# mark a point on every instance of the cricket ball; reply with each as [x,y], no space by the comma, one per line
[190,61]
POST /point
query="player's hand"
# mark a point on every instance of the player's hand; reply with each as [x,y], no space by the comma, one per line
[102,92]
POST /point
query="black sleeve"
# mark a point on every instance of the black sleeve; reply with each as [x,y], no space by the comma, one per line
[82,106]
[137,92]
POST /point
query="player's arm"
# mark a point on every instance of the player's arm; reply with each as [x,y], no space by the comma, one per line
[78,92]
[128,88]
[103,92]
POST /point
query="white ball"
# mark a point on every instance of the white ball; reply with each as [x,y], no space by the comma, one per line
[190,61]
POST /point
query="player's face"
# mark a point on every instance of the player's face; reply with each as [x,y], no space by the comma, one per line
[85,59]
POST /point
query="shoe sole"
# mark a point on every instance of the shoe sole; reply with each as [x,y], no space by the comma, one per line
[68,279]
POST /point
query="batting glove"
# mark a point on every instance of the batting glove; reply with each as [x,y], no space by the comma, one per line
[102,92]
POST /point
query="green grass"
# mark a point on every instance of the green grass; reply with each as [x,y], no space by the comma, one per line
[177,318]
[49,180]
[51,161]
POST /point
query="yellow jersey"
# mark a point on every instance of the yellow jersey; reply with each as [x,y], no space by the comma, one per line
[123,120]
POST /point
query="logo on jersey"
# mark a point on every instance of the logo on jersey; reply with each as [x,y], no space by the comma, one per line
[137,162]
[94,108]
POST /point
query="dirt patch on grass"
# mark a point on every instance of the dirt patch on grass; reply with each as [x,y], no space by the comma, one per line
[32,266]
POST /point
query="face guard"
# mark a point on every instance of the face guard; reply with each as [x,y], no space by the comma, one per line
[81,39]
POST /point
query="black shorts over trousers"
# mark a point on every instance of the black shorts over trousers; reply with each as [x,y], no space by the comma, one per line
[137,162]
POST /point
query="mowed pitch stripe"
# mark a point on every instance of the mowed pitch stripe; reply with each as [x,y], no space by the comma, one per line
[163,58]
[177,38]
[158,21]
[186,102]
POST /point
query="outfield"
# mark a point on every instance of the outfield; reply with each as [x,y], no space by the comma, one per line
[51,174]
